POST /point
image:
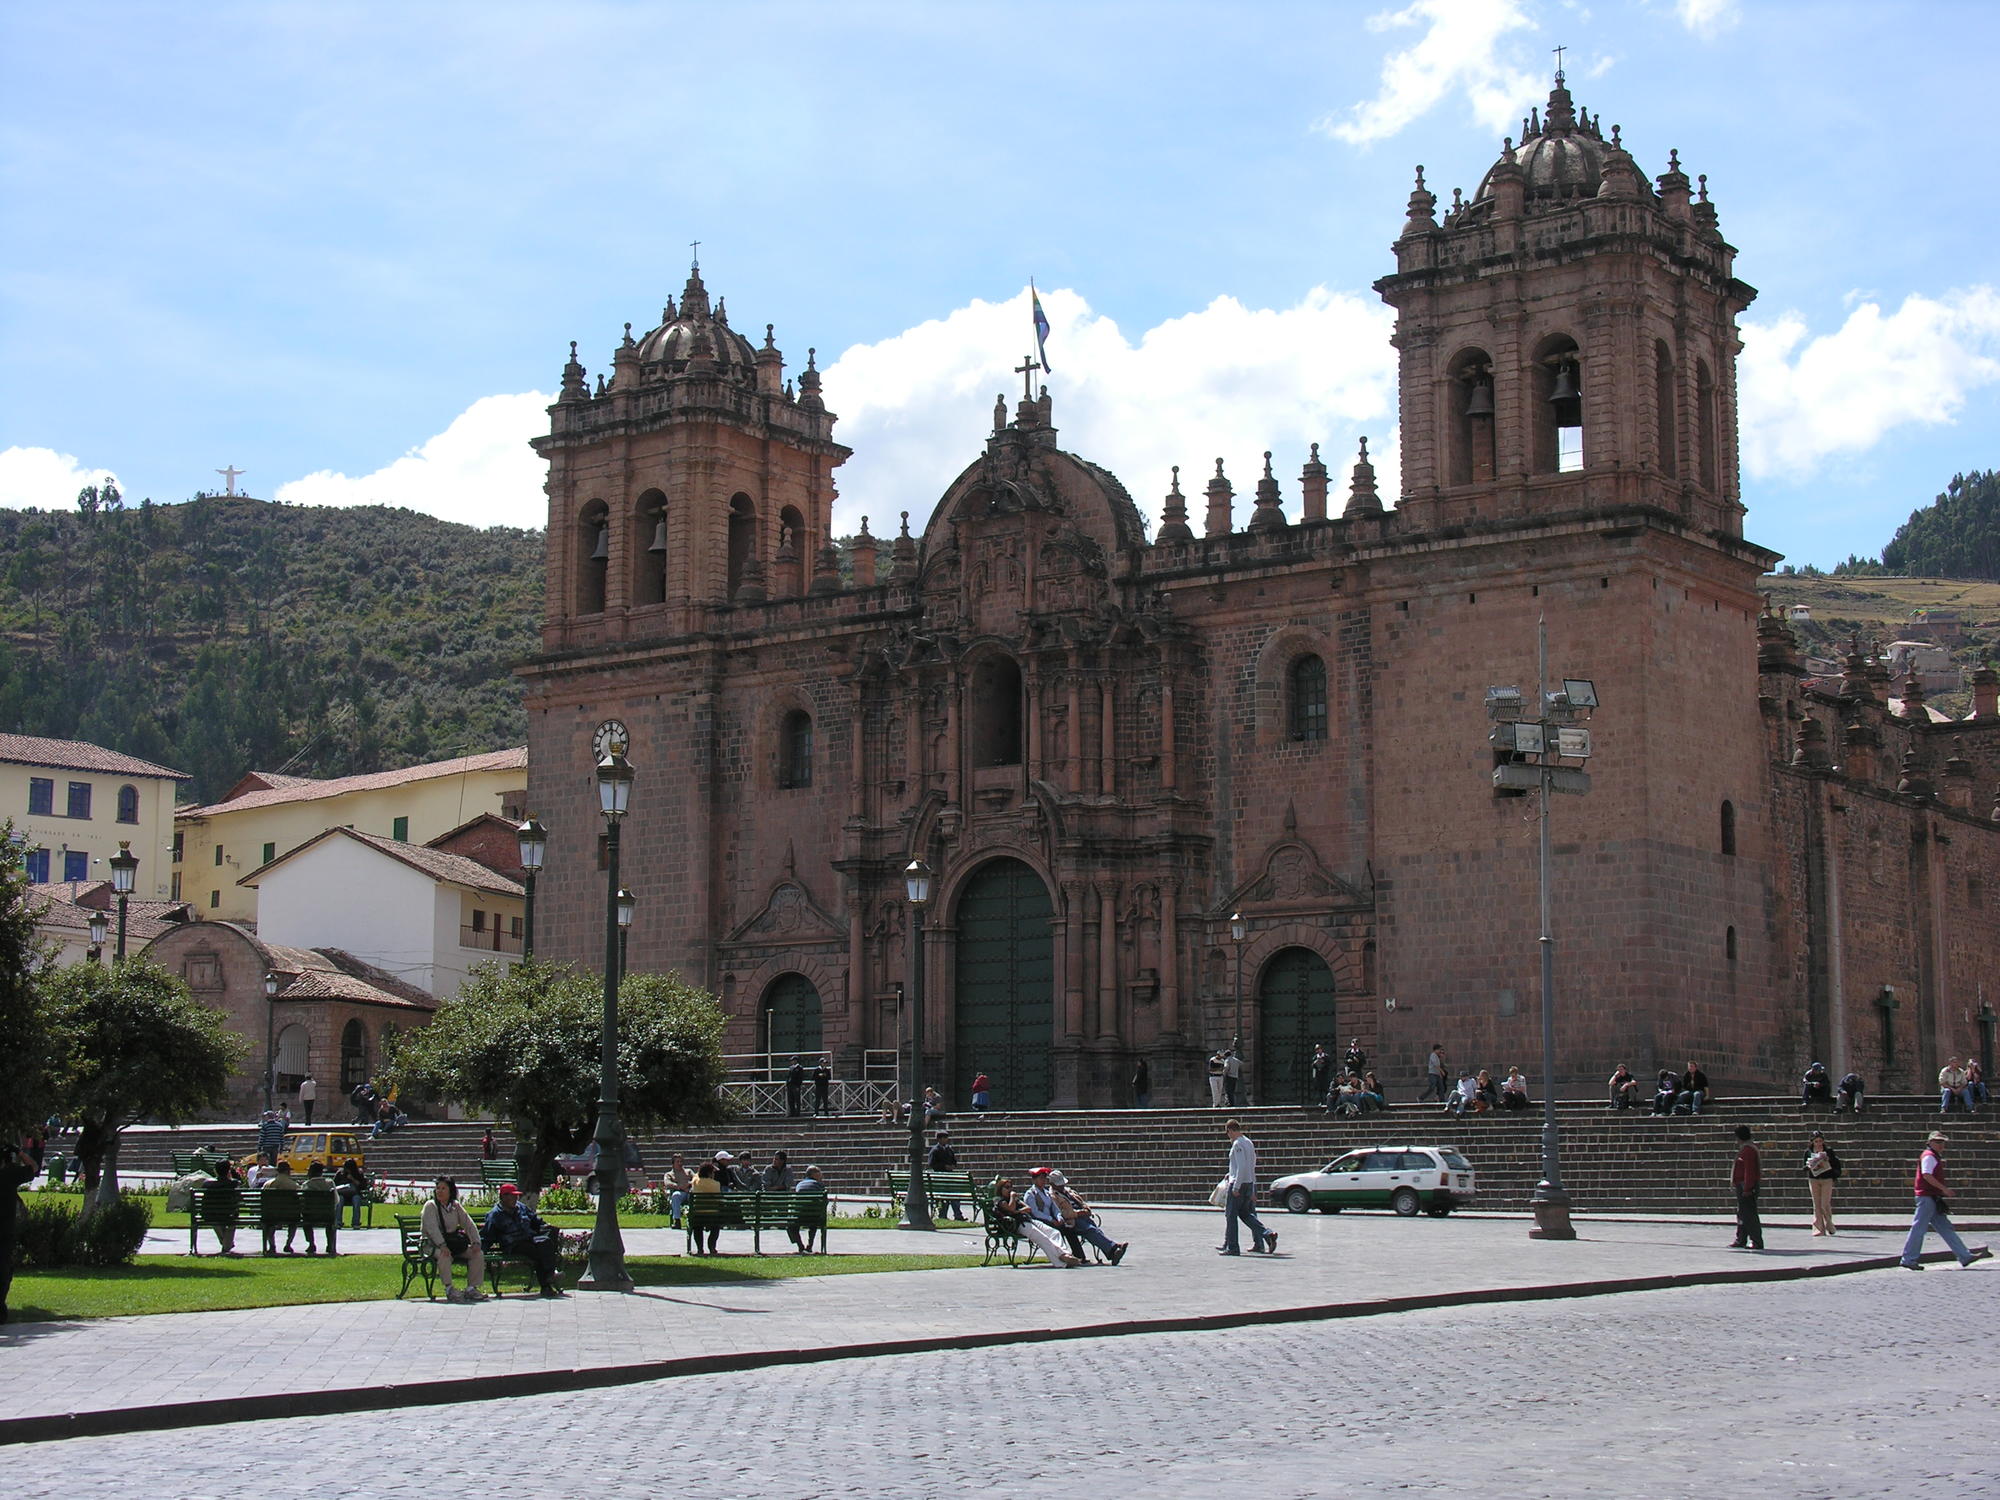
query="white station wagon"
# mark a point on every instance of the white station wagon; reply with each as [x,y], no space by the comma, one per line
[1408,1179]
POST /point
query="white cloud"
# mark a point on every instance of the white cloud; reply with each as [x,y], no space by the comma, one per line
[1227,380]
[1461,52]
[479,470]
[44,478]
[1808,400]
[1708,18]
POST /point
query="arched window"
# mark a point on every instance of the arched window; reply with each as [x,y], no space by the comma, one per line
[1557,416]
[742,538]
[128,804]
[1705,422]
[593,557]
[1471,397]
[1305,715]
[649,549]
[1666,401]
[353,1055]
[1729,945]
[795,749]
[791,573]
[1728,827]
[293,1054]
[996,712]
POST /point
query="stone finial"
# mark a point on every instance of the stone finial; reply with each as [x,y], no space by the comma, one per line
[826,570]
[1811,750]
[1220,496]
[1173,514]
[903,554]
[1910,779]
[1703,211]
[809,396]
[1268,514]
[574,387]
[750,587]
[1674,187]
[1985,692]
[1958,783]
[627,343]
[1422,213]
[1362,498]
[1312,488]
[865,558]
[1913,698]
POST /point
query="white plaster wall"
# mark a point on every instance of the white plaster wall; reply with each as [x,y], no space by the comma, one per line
[340,894]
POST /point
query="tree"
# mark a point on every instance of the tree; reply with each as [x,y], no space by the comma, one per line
[522,1043]
[25,1094]
[131,1043]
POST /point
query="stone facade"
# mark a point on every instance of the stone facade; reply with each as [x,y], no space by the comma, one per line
[1107,746]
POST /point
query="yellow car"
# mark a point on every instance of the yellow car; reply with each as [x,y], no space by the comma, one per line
[304,1147]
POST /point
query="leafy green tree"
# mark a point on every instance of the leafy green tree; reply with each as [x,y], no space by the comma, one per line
[25,1093]
[1957,536]
[131,1043]
[521,1042]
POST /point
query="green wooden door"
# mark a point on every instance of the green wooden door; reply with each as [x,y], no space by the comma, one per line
[1294,1011]
[791,1020]
[1003,998]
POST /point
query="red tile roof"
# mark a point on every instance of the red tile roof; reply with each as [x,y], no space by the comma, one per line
[80,755]
[455,869]
[313,791]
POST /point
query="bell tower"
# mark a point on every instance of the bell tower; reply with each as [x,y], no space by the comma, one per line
[1567,337]
[696,478]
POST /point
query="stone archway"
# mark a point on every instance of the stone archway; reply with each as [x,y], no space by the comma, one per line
[791,1020]
[1295,1010]
[1003,991]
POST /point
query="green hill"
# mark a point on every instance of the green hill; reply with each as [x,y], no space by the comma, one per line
[228,633]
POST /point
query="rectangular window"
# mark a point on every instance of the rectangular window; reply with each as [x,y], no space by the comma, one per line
[176,892]
[1569,450]
[218,856]
[270,853]
[400,830]
[38,866]
[514,927]
[214,900]
[79,799]
[478,920]
[41,797]
[179,839]
[76,865]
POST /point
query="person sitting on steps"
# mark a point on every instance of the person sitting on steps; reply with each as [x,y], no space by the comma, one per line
[1816,1087]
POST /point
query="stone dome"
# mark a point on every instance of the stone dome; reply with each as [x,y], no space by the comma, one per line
[1560,156]
[682,330]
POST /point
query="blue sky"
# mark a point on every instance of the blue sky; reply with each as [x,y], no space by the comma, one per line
[344,246]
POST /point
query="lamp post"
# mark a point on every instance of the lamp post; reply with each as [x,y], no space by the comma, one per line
[628,905]
[270,1037]
[607,1246]
[100,928]
[917,1201]
[124,869]
[1238,930]
[1552,734]
[534,841]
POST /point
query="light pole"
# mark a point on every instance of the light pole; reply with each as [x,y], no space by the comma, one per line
[917,1201]
[100,929]
[124,869]
[1238,930]
[607,1246]
[1553,734]
[270,1037]
[628,905]
[534,841]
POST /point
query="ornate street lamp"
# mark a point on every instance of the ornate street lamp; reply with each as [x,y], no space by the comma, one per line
[628,905]
[1238,931]
[270,1036]
[124,872]
[917,1201]
[100,929]
[607,1246]
[534,841]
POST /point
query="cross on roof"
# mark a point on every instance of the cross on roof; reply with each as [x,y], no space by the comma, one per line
[1559,51]
[695,245]
[1026,370]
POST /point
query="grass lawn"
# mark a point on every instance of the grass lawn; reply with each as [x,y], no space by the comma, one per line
[164,1284]
[385,1217]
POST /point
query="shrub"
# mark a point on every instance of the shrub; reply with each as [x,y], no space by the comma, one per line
[51,1235]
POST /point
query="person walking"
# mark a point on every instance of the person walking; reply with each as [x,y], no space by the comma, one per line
[1822,1172]
[1142,1085]
[487,1150]
[1747,1176]
[795,1089]
[308,1097]
[1934,1210]
[823,1086]
[1241,1205]
[270,1137]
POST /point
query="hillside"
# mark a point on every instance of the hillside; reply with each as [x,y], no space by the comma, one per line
[230,633]
[1879,608]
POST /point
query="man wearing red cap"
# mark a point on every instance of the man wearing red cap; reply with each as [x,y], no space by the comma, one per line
[516,1229]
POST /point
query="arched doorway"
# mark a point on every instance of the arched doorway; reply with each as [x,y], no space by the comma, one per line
[1003,997]
[293,1050]
[791,1020]
[353,1056]
[1294,1011]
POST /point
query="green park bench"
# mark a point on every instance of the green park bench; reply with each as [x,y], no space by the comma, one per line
[420,1262]
[258,1210]
[500,1169]
[201,1159]
[1003,1240]
[757,1212]
[940,1188]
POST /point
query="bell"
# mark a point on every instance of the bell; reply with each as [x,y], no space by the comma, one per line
[602,551]
[659,536]
[1565,386]
[1479,403]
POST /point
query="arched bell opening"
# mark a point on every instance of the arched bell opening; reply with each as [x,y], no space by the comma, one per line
[649,549]
[1557,407]
[593,557]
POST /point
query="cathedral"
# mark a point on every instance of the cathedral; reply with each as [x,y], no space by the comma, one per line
[1240,780]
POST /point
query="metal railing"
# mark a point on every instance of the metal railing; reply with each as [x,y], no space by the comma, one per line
[755,1083]
[488,940]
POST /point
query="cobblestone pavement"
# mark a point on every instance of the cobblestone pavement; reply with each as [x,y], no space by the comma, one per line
[1853,1386]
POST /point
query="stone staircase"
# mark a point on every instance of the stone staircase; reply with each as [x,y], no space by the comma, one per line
[1611,1163]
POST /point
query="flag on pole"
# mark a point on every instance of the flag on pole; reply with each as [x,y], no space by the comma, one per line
[1041,327]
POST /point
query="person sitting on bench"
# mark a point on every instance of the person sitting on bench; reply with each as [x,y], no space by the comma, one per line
[1011,1215]
[513,1228]
[1080,1221]
[449,1231]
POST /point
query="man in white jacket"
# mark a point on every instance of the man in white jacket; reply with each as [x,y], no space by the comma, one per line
[1242,1203]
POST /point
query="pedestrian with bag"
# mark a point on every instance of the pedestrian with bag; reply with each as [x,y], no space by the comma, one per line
[1934,1210]
[1822,1172]
[449,1231]
[1241,1206]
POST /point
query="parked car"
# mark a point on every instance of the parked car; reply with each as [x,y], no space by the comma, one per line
[304,1147]
[1433,1179]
